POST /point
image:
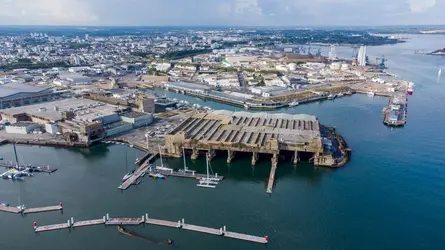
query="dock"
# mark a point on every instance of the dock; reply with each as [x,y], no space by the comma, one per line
[42,209]
[16,210]
[88,223]
[145,220]
[52,227]
[272,174]
[184,174]
[125,221]
[33,168]
[13,210]
[140,172]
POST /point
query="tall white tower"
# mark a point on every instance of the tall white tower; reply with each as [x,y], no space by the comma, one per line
[332,53]
[361,58]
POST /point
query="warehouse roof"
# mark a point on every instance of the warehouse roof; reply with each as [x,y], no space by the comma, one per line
[15,88]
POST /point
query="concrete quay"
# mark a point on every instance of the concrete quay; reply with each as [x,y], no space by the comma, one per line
[256,133]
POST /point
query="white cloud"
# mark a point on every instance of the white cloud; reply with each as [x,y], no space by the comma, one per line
[421,5]
[222,12]
[46,12]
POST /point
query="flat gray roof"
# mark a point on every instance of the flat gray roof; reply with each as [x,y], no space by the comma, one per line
[15,88]
[188,85]
[85,109]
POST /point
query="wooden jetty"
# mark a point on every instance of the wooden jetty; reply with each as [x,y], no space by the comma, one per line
[16,210]
[125,221]
[163,223]
[13,210]
[144,219]
[88,223]
[51,227]
[42,209]
[140,172]
[272,174]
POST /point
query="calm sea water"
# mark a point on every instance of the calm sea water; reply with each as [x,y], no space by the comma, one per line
[390,196]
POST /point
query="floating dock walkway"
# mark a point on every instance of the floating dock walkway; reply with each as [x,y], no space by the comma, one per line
[106,220]
[184,174]
[140,172]
[33,168]
[16,210]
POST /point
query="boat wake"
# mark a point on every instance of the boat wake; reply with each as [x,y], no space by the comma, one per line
[123,231]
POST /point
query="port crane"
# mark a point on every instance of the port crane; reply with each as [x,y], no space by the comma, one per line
[382,59]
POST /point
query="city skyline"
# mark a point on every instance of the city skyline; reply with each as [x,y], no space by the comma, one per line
[221,12]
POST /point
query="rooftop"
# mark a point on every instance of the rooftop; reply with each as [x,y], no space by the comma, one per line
[15,88]
[252,129]
[134,114]
[85,109]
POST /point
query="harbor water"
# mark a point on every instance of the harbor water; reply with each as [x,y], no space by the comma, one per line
[391,195]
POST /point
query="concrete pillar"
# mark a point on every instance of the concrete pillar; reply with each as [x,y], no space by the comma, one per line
[254,158]
[195,153]
[296,157]
[230,156]
[211,154]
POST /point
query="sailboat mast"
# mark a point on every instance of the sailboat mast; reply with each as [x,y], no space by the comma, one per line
[183,155]
[160,154]
[16,157]
[207,160]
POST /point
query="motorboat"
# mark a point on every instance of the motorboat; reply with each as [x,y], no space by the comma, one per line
[157,176]
[4,204]
[293,104]
[331,97]
[371,93]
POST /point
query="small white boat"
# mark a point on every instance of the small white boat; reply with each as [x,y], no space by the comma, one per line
[370,93]
[293,104]
[246,107]
[331,97]
[207,182]
[340,94]
[127,176]
[207,185]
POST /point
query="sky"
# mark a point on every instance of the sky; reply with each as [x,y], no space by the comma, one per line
[222,12]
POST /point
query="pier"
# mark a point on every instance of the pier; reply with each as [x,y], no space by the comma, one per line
[106,220]
[272,174]
[395,114]
[140,172]
[185,174]
[16,210]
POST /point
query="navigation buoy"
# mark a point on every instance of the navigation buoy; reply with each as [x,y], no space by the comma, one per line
[35,225]
[266,238]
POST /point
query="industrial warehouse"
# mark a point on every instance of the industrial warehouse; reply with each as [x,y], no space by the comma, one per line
[257,133]
[17,94]
[79,120]
[279,135]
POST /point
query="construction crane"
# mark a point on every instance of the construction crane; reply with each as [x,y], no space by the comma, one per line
[382,61]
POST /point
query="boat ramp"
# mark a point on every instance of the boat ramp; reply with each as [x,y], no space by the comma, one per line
[106,220]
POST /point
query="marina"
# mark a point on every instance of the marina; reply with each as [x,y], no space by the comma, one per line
[144,219]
